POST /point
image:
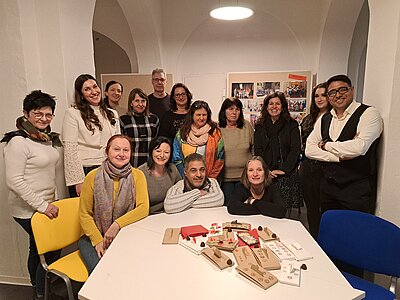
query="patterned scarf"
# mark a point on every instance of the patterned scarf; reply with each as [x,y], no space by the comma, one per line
[198,136]
[27,130]
[106,211]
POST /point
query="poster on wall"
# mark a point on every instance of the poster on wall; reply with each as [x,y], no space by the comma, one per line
[266,88]
[252,106]
[297,105]
[296,93]
[298,116]
[295,89]
[243,90]
[252,88]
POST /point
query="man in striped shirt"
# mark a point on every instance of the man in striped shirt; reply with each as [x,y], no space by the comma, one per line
[195,190]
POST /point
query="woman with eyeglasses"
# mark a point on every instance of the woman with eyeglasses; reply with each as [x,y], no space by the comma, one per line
[113,95]
[238,143]
[173,119]
[88,125]
[277,141]
[199,134]
[311,170]
[160,173]
[139,125]
[30,158]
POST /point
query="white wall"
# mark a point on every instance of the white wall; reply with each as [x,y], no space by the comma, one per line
[282,35]
[356,64]
[110,21]
[382,83]
[45,45]
[326,37]
[105,63]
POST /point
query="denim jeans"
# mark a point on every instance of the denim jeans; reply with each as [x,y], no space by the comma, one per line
[36,272]
[88,253]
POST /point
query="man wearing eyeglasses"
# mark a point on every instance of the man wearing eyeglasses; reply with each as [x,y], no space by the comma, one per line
[159,99]
[346,140]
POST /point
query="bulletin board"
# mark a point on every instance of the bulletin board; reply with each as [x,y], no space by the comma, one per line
[133,80]
[252,87]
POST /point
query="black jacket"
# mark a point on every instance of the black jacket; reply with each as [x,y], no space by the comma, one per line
[289,144]
[269,205]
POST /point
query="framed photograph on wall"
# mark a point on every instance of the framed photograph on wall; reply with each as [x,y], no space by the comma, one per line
[244,90]
[265,88]
[297,105]
[252,87]
[295,89]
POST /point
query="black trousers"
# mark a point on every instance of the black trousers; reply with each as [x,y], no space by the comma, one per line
[356,195]
[311,173]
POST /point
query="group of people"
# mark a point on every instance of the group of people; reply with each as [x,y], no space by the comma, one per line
[126,163]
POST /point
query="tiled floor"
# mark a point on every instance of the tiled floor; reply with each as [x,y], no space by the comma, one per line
[17,292]
[20,292]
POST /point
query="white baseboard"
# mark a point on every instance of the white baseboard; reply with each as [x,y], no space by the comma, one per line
[15,280]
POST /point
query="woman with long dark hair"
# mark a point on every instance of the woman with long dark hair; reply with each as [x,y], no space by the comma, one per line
[172,120]
[277,141]
[88,125]
[311,170]
[199,134]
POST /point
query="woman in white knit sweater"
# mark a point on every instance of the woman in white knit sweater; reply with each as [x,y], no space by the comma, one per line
[30,161]
[87,127]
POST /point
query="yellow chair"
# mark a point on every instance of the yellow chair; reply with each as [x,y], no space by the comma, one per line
[56,234]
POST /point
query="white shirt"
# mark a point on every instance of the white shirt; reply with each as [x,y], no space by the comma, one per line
[369,128]
[83,148]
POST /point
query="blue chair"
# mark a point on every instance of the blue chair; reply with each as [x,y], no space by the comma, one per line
[366,242]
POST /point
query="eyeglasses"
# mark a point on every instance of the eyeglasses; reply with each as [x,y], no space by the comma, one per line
[200,104]
[181,95]
[158,80]
[342,90]
[38,116]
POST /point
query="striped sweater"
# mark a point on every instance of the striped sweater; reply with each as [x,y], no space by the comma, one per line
[177,200]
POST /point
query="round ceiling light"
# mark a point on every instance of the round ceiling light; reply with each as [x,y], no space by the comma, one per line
[231,13]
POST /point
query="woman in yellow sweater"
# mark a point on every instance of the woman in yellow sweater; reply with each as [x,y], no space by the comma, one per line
[113,196]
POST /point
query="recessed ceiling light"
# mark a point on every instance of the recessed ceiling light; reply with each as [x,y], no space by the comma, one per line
[231,13]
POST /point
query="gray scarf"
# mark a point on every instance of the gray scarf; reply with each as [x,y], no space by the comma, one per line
[106,211]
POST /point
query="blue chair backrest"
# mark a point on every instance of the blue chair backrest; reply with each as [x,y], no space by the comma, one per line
[361,240]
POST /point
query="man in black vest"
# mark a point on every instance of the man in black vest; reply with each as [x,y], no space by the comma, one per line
[345,140]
